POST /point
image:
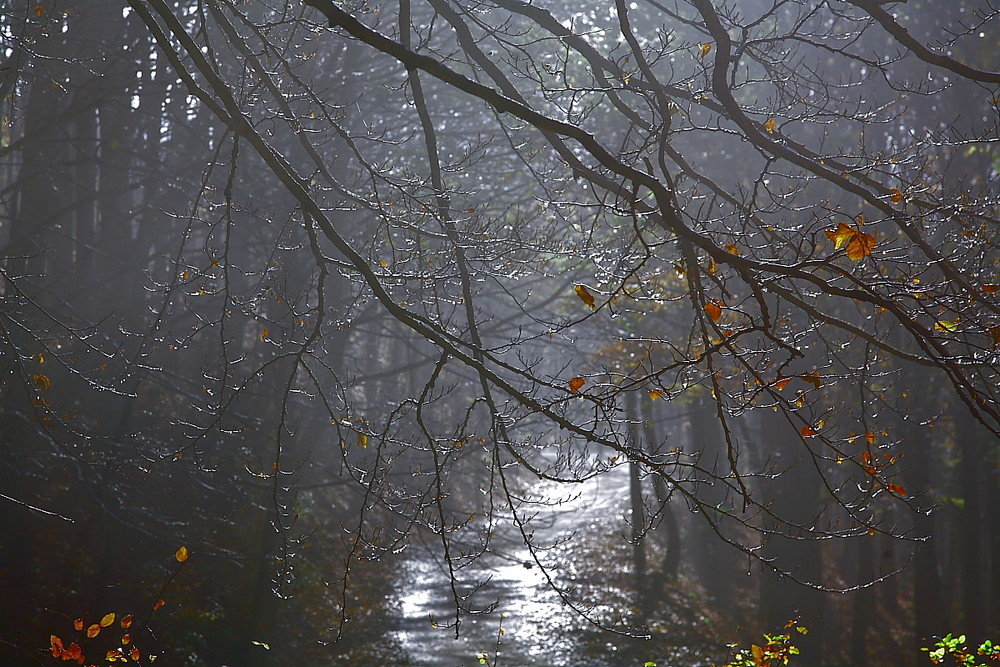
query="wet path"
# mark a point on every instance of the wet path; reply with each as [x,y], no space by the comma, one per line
[538,627]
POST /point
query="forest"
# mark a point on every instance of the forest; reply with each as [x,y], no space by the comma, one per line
[604,333]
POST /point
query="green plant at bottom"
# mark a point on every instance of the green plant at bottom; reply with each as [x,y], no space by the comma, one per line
[961,654]
[776,649]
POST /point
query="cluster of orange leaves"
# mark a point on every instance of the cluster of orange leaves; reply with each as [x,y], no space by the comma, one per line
[859,244]
[75,652]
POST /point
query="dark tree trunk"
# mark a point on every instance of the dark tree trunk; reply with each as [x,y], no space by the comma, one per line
[930,615]
[863,618]
[714,562]
[972,448]
[638,512]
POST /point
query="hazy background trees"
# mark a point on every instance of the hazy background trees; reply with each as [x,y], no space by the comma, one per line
[324,292]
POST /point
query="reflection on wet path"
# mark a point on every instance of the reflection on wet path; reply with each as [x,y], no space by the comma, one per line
[538,627]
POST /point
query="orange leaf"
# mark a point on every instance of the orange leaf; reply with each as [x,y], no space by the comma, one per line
[991,289]
[770,125]
[113,655]
[39,10]
[41,382]
[807,431]
[135,655]
[159,603]
[870,437]
[575,384]
[758,655]
[782,383]
[860,246]
[841,235]
[705,49]
[713,310]
[895,195]
[264,334]
[74,652]
[126,638]
[585,295]
[182,554]
[126,621]
[812,378]
[56,645]
[897,489]
[78,625]
[108,620]
[732,249]
[93,631]
[655,394]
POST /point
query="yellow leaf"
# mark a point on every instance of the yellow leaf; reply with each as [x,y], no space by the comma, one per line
[93,631]
[585,295]
[758,655]
[126,621]
[895,195]
[575,384]
[732,249]
[39,357]
[78,625]
[182,554]
[126,639]
[655,394]
[946,326]
[711,266]
[362,440]
[705,49]
[108,620]
[714,309]
[770,125]
[41,382]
